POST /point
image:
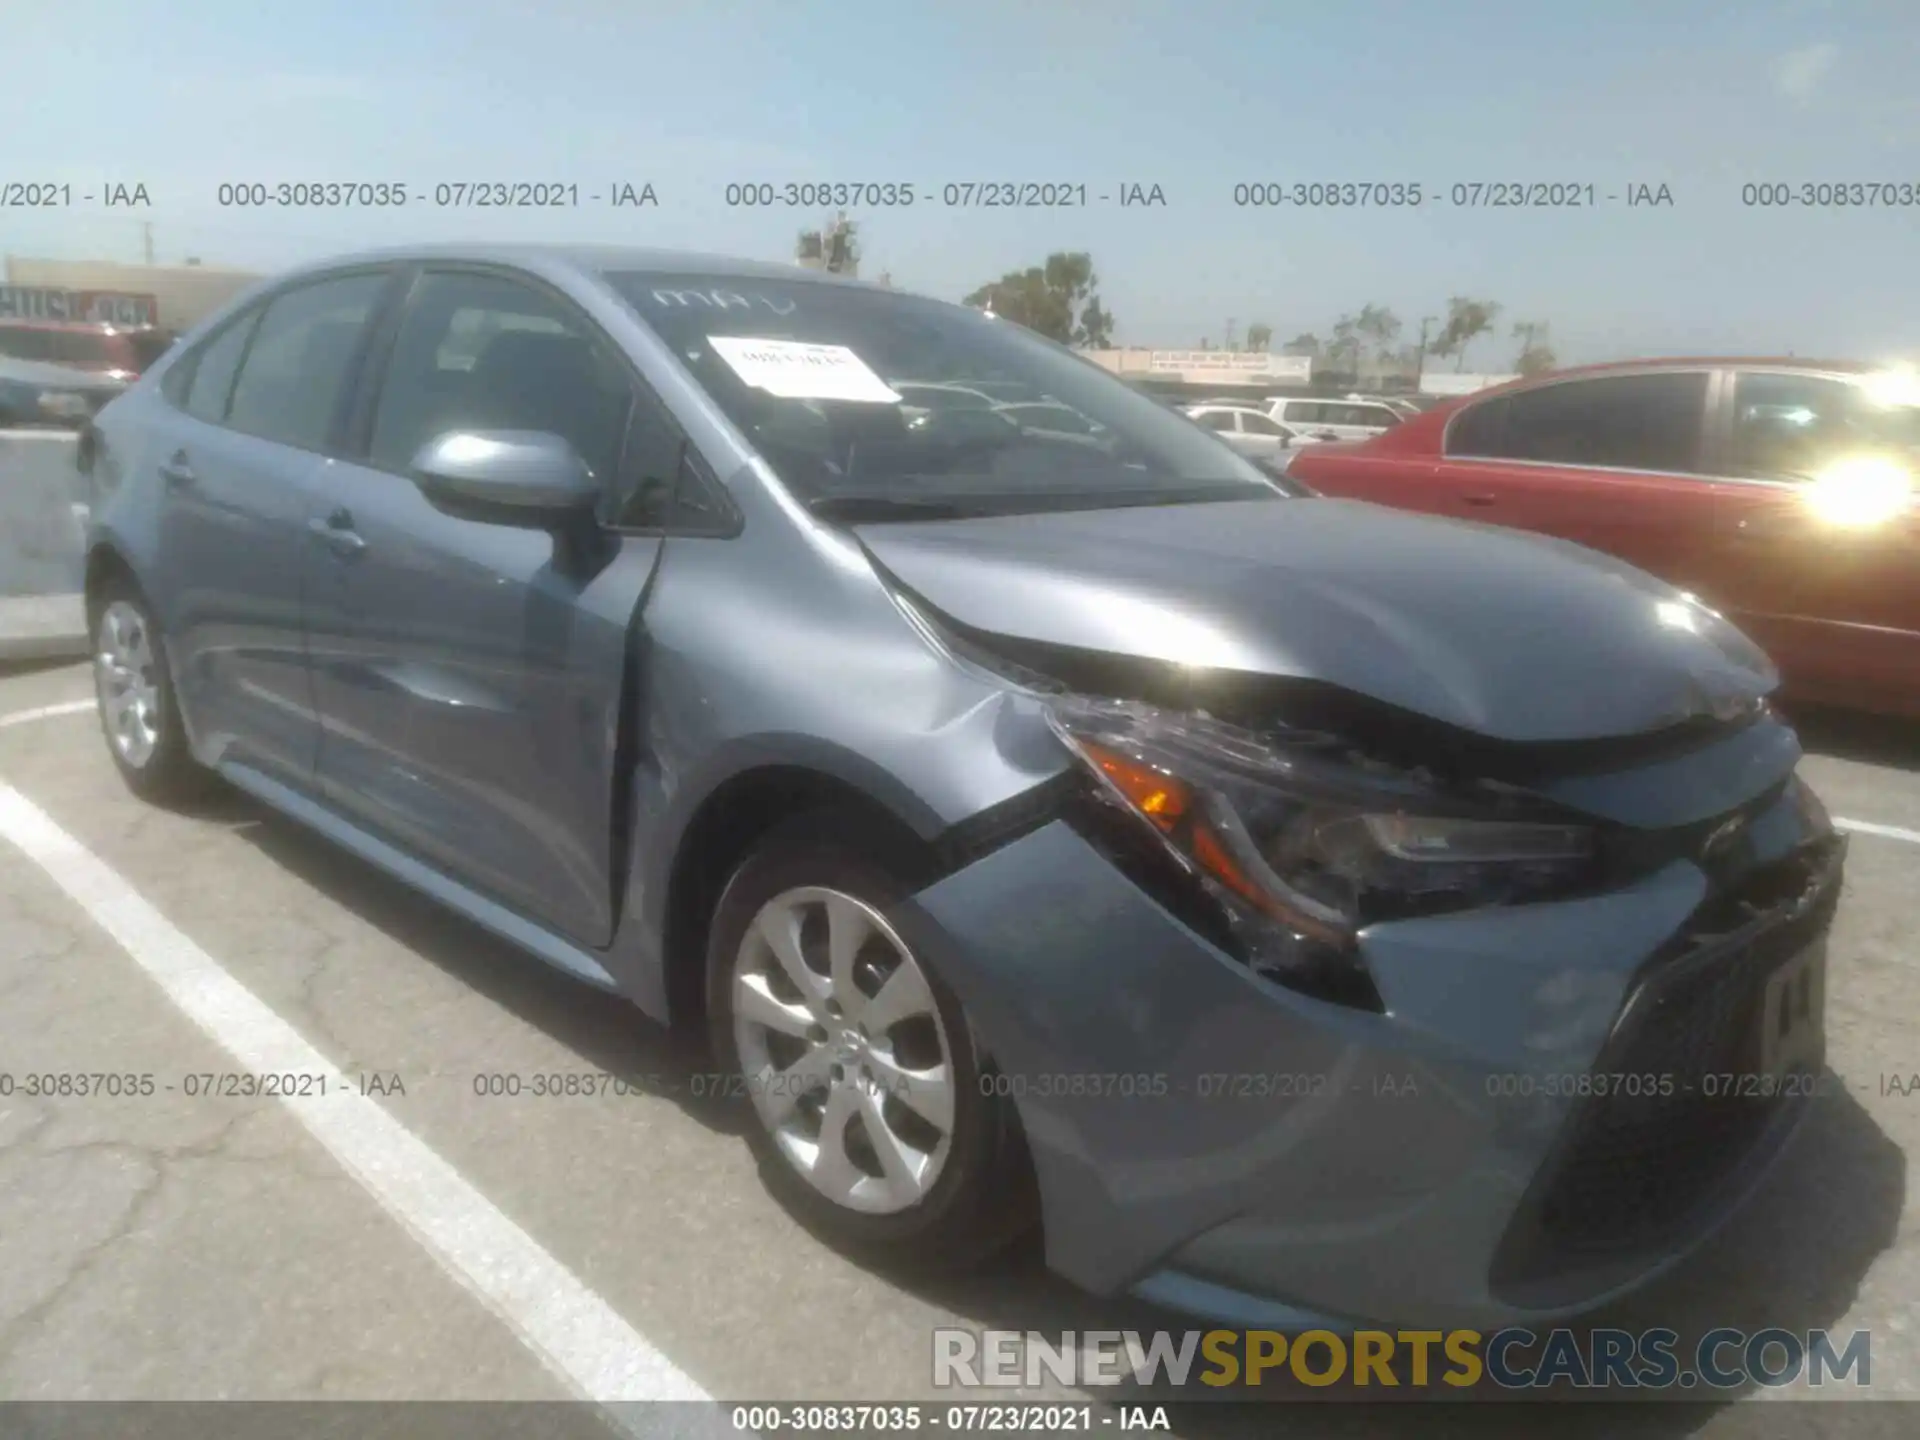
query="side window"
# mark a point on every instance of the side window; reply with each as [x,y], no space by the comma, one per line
[1790,427]
[297,367]
[210,380]
[1479,429]
[1629,422]
[1216,419]
[487,352]
[1303,412]
[1258,424]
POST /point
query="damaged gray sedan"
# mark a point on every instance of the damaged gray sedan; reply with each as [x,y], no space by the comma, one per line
[1293,908]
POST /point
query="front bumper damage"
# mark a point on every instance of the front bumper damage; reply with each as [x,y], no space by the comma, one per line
[1231,1147]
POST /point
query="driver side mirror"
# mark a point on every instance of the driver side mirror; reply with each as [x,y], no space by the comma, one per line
[528,478]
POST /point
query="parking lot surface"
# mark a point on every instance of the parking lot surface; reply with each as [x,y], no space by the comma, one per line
[392,1230]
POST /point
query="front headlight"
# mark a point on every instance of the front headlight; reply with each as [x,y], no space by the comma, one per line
[1305,843]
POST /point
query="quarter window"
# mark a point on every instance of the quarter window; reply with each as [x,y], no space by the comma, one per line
[297,367]
[214,368]
[1627,422]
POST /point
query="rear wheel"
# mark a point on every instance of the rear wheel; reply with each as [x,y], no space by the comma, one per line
[138,711]
[856,1061]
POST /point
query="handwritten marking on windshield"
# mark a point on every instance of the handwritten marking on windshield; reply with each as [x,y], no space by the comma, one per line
[720,300]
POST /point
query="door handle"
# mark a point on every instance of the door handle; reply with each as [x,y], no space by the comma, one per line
[176,471]
[338,533]
[1477,500]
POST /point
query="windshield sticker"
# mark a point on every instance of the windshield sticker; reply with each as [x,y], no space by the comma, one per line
[719,300]
[795,370]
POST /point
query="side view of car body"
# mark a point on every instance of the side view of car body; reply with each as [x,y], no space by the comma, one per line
[1247,430]
[117,352]
[1780,491]
[1115,839]
[34,393]
[1335,419]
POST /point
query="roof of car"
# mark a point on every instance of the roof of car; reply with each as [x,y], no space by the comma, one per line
[598,259]
[1689,362]
[92,327]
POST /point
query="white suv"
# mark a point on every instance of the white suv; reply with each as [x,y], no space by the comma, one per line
[1335,419]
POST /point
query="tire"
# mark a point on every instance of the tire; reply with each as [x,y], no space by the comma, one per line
[975,1194]
[139,713]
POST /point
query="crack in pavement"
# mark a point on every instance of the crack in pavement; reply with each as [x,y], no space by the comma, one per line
[157,1161]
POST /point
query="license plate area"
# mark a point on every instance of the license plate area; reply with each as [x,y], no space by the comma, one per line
[1793,1008]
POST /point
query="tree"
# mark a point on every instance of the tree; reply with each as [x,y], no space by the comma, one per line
[1466,320]
[1379,327]
[1095,330]
[1344,350]
[1303,344]
[1259,336]
[1056,299]
[836,243]
[1535,355]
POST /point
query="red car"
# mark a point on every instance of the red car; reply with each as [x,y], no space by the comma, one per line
[120,351]
[1781,492]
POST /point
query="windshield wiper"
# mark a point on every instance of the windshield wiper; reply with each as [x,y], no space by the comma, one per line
[855,508]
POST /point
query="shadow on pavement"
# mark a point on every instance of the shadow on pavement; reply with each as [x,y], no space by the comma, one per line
[1849,735]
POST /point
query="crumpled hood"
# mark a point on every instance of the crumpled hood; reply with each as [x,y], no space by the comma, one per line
[1512,636]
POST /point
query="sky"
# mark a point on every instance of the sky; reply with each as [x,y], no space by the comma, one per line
[1192,96]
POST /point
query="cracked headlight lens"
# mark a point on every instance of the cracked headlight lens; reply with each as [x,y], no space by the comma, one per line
[1305,842]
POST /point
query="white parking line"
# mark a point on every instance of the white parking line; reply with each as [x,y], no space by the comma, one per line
[46,712]
[575,1333]
[1885,832]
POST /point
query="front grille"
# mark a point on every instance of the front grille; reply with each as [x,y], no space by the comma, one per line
[1634,1171]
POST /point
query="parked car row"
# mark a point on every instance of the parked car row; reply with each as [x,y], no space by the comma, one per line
[927,750]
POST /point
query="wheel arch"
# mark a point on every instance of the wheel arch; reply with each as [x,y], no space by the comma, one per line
[735,815]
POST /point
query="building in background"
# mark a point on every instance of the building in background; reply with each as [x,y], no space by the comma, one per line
[1447,382]
[180,294]
[1205,373]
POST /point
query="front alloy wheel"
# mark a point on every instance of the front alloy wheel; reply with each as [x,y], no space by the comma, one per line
[868,1109]
[843,1050]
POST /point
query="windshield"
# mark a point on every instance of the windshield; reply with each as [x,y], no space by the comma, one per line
[894,399]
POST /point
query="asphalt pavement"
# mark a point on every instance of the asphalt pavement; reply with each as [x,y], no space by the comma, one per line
[393,1229]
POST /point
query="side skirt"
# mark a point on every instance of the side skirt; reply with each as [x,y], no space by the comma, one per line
[541,943]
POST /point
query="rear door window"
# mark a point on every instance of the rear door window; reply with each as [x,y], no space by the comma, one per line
[296,370]
[1623,422]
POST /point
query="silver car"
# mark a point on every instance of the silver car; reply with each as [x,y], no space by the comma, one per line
[1232,884]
